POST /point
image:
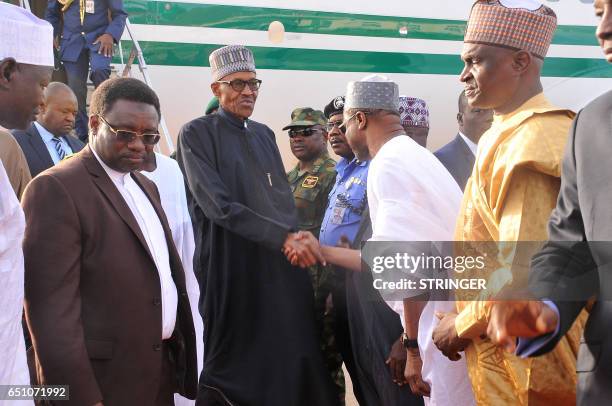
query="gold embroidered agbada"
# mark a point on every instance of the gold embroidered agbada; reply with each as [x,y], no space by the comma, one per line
[509,197]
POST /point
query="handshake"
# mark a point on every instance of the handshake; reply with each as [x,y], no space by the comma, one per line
[303,249]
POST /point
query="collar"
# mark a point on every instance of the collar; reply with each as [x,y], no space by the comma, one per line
[116,176]
[317,165]
[537,104]
[236,121]
[44,133]
[471,144]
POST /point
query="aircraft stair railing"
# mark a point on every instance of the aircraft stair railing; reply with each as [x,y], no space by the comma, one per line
[126,71]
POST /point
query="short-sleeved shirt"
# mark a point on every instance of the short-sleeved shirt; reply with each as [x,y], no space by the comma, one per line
[311,189]
[347,201]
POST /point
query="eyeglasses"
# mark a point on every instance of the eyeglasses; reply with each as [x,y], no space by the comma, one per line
[342,126]
[304,132]
[239,84]
[129,136]
[335,124]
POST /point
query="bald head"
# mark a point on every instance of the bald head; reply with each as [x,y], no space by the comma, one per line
[58,110]
[58,90]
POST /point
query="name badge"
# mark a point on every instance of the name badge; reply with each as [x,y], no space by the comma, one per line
[89,6]
[310,182]
[337,215]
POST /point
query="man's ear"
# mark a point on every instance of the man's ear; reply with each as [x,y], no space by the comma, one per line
[8,66]
[215,89]
[362,120]
[521,61]
[94,124]
[460,119]
[42,108]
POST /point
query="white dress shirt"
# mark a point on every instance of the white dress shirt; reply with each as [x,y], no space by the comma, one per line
[412,197]
[13,364]
[153,232]
[471,144]
[47,138]
[171,185]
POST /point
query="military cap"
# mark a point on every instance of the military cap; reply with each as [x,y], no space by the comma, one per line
[336,106]
[306,117]
[213,104]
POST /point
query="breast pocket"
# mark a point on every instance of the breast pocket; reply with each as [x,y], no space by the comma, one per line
[306,204]
[354,201]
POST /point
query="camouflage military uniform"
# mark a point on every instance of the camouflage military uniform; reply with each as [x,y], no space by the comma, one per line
[311,190]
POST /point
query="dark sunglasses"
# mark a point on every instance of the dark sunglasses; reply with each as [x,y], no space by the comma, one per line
[129,136]
[239,84]
[335,124]
[305,132]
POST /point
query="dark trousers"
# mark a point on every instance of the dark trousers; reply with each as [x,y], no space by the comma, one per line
[76,74]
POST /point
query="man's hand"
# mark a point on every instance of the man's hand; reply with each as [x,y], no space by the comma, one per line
[412,373]
[511,319]
[303,249]
[56,43]
[344,242]
[397,362]
[445,336]
[106,45]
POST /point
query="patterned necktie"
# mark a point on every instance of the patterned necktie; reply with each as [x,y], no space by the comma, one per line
[59,148]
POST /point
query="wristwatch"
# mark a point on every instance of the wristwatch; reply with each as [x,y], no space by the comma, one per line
[409,343]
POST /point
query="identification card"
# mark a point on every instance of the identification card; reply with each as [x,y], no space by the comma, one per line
[337,215]
[90,7]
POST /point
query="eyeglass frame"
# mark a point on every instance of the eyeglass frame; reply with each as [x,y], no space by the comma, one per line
[345,122]
[134,134]
[246,83]
[329,127]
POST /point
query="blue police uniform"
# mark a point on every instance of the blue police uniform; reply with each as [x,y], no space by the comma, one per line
[347,201]
[77,50]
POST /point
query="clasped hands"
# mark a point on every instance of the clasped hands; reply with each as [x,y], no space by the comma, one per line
[303,249]
[507,321]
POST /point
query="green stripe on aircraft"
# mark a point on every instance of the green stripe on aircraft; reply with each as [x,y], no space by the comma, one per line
[187,54]
[319,22]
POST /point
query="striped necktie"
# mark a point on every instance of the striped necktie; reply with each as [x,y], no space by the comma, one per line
[59,148]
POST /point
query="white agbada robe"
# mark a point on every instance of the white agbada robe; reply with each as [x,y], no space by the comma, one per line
[412,197]
[13,362]
[171,185]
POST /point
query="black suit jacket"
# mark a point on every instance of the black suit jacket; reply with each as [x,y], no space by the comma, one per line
[92,290]
[36,151]
[575,265]
[457,158]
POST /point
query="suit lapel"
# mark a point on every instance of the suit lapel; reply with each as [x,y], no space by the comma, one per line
[70,142]
[108,188]
[467,152]
[38,145]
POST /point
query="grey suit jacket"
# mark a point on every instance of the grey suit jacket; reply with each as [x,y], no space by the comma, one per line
[36,151]
[576,263]
[458,159]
